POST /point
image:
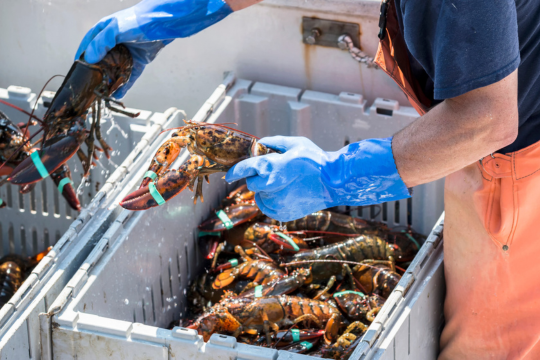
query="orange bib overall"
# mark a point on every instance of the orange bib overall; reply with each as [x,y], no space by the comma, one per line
[491,236]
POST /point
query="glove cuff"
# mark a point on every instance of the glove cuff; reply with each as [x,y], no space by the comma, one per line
[178,19]
[364,173]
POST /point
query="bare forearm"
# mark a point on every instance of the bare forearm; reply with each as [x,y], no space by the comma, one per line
[457,133]
[241,4]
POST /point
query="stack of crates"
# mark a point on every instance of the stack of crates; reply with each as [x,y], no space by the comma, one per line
[134,283]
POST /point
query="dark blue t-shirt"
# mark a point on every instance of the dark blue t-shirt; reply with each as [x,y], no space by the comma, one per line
[460,45]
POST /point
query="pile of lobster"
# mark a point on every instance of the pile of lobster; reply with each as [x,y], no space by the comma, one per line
[308,286]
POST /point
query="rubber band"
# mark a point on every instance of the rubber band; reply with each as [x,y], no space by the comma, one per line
[226,221]
[150,174]
[63,183]
[412,239]
[209,233]
[155,194]
[234,262]
[306,344]
[1,202]
[39,165]
[258,291]
[349,292]
[290,240]
[295,335]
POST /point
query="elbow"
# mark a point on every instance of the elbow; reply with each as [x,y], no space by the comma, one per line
[503,131]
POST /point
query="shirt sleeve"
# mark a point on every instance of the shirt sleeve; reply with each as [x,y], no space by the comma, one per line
[462,44]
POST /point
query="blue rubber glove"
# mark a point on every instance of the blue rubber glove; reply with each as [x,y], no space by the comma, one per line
[146,28]
[304,178]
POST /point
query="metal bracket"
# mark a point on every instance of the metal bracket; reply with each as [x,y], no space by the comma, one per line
[327,32]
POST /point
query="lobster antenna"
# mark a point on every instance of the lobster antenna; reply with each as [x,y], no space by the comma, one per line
[21,110]
[190,126]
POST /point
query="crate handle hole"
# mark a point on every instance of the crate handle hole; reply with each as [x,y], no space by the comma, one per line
[385,112]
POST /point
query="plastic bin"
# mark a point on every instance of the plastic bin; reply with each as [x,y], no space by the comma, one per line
[37,220]
[134,282]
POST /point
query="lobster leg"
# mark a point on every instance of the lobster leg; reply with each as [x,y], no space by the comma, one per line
[104,145]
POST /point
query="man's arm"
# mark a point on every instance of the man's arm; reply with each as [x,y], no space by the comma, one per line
[241,4]
[458,132]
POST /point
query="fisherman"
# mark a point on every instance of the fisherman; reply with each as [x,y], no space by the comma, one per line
[457,61]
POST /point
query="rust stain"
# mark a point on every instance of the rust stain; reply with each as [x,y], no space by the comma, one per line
[308,49]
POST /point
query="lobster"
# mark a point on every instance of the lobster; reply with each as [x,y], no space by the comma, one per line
[85,86]
[269,313]
[219,145]
[14,269]
[378,279]
[331,222]
[259,271]
[357,306]
[14,149]
[271,240]
[328,260]
[344,343]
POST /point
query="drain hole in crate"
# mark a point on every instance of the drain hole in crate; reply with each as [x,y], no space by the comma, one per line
[9,198]
[21,202]
[385,112]
[33,201]
[170,279]
[68,211]
[396,212]
[44,201]
[161,292]
[384,212]
[46,239]
[178,268]
[187,261]
[58,236]
[409,211]
[23,241]
[56,199]
[153,304]
[11,239]
[35,245]
[143,312]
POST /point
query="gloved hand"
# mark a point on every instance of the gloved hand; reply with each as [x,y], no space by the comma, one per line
[146,28]
[304,178]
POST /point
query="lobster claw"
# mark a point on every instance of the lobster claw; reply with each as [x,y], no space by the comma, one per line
[62,179]
[25,189]
[56,152]
[237,214]
[168,186]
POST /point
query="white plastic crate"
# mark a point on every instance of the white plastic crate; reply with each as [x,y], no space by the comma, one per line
[27,227]
[134,283]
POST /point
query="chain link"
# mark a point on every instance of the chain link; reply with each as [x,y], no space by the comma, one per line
[345,43]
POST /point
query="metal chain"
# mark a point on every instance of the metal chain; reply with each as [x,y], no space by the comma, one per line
[345,43]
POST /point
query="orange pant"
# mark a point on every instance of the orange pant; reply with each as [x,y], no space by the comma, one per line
[492,259]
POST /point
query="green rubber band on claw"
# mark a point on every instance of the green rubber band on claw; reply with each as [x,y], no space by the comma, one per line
[295,335]
[289,239]
[349,292]
[155,194]
[150,174]
[63,183]
[1,202]
[234,262]
[209,233]
[258,291]
[226,221]
[412,239]
[39,165]
[306,344]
